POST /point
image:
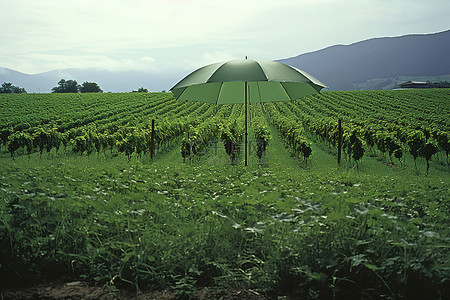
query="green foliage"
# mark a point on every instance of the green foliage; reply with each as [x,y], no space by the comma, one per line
[66,86]
[428,151]
[119,127]
[167,226]
[392,122]
[353,145]
[262,137]
[231,135]
[86,131]
[310,233]
[141,90]
[290,129]
[8,88]
[416,142]
[90,87]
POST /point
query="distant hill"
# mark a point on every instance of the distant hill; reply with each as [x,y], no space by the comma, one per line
[29,82]
[379,63]
[122,81]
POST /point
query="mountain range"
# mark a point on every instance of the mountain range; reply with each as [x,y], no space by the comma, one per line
[378,63]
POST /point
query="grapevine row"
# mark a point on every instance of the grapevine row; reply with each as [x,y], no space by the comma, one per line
[129,134]
[388,136]
[290,129]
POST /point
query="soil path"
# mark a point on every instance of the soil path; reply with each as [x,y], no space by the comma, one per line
[75,290]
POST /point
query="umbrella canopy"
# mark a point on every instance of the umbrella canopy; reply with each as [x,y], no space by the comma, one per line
[246,81]
[266,81]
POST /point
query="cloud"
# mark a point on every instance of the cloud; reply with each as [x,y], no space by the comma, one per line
[86,61]
[147,59]
[139,34]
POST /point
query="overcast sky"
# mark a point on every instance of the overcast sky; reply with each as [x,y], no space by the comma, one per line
[163,36]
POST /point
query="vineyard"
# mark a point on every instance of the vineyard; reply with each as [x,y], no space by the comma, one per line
[141,191]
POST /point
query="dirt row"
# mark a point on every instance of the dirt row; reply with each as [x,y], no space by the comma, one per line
[82,290]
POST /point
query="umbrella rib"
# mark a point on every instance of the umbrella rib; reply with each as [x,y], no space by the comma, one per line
[264,73]
[281,83]
[259,92]
[179,96]
[215,71]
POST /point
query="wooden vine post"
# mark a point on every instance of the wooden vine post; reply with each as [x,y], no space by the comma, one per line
[245,112]
[339,140]
[152,139]
[184,148]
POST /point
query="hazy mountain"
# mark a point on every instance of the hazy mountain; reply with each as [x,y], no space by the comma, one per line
[378,62]
[123,81]
[29,82]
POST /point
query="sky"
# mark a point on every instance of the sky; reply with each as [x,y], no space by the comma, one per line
[158,36]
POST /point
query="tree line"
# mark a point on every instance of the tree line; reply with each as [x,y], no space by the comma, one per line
[441,84]
[64,86]
[71,86]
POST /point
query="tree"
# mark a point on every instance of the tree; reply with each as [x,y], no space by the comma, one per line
[90,87]
[141,90]
[69,86]
[8,88]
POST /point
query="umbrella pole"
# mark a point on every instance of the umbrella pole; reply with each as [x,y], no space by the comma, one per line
[245,112]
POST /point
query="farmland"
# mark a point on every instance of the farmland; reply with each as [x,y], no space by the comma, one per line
[82,198]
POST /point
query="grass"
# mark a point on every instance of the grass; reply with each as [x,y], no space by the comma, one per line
[285,227]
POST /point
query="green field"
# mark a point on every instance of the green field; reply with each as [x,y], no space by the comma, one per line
[82,199]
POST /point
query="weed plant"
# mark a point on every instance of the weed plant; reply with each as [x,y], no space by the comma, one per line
[311,231]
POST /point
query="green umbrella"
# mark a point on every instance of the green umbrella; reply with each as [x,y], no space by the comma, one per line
[243,81]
